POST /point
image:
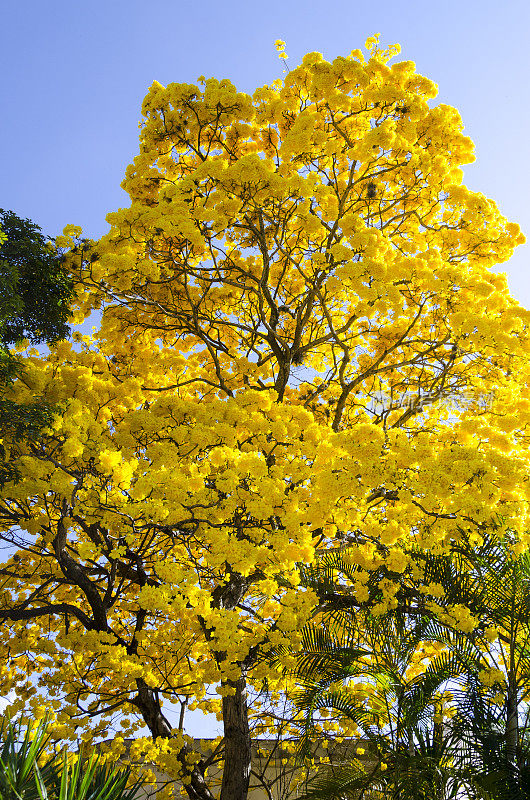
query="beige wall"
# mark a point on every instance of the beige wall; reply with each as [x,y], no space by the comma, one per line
[272,775]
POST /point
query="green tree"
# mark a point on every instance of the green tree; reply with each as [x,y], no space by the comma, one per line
[492,580]
[35,291]
[404,751]
[474,604]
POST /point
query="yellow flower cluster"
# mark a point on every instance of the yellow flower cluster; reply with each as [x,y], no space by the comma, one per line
[280,47]
[492,676]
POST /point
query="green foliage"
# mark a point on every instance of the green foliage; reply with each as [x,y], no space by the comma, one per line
[22,777]
[492,579]
[35,289]
[19,423]
[87,780]
[35,292]
[483,749]
[18,756]
[407,757]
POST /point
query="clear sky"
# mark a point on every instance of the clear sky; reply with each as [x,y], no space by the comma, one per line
[74,74]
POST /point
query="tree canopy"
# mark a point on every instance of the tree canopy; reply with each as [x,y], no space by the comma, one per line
[36,288]
[35,292]
[303,347]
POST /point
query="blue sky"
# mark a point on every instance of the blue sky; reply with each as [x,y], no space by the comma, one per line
[74,75]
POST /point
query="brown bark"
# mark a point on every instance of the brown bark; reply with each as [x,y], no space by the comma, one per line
[237,742]
[149,706]
[237,753]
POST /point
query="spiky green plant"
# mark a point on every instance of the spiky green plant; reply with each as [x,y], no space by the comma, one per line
[27,772]
[19,753]
[87,780]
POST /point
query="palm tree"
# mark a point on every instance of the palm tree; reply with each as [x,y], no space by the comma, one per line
[485,748]
[492,580]
[408,753]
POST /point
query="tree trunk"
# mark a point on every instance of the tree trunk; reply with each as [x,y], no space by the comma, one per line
[237,752]
[512,721]
[438,742]
[147,703]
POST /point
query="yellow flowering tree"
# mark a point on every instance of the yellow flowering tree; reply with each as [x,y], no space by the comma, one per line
[302,347]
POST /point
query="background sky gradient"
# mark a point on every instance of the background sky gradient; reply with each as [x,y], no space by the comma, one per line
[75,72]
